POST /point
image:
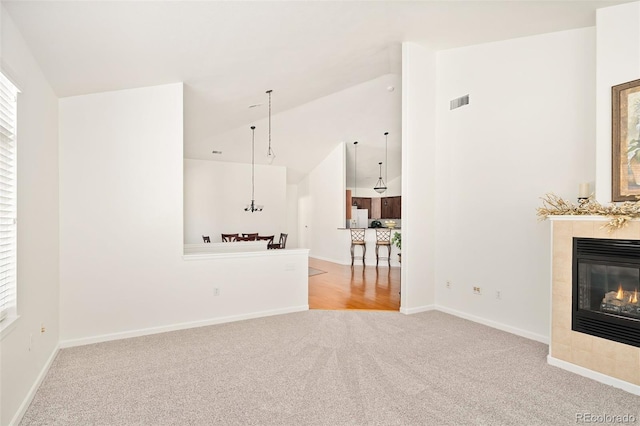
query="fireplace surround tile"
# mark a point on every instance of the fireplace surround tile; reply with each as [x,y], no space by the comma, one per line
[562,352]
[627,358]
[583,229]
[603,232]
[582,357]
[604,364]
[609,348]
[562,290]
[563,229]
[626,373]
[631,231]
[581,341]
[561,316]
[561,334]
[610,358]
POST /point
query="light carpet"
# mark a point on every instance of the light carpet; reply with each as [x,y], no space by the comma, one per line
[321,368]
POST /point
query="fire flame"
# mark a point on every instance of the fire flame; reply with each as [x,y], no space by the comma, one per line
[620,294]
[634,299]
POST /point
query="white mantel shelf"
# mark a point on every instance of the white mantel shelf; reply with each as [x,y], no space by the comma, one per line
[582,217]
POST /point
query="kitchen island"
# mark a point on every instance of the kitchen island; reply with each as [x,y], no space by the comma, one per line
[370,242]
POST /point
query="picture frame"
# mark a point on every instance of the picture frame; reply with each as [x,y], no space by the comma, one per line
[625,139]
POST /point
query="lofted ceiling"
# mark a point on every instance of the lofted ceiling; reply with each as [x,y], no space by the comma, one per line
[228,53]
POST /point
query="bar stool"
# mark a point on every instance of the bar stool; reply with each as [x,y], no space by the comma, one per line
[383,239]
[357,239]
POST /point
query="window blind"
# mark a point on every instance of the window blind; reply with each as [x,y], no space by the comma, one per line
[8,114]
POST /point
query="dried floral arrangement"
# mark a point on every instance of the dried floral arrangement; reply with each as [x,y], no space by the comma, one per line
[620,214]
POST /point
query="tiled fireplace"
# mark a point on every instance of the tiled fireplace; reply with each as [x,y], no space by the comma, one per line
[598,354]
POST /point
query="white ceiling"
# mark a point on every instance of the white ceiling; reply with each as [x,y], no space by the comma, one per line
[228,53]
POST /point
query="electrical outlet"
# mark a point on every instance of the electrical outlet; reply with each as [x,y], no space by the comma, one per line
[498,295]
[216,291]
[449,284]
[477,290]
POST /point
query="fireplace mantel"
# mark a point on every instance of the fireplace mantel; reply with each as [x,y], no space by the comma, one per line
[582,218]
[611,362]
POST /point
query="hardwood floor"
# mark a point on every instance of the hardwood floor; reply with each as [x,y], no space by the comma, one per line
[344,287]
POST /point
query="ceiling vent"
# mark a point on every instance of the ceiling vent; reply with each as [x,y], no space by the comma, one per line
[458,102]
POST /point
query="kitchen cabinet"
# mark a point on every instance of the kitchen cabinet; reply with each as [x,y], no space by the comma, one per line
[376,213]
[363,203]
[391,207]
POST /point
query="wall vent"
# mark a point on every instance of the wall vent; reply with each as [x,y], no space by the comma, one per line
[458,102]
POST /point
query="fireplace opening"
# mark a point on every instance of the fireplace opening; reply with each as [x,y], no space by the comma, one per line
[606,289]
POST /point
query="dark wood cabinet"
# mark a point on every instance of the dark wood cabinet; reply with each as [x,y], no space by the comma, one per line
[385,207]
[391,207]
[363,203]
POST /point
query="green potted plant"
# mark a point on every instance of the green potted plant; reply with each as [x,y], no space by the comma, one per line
[396,240]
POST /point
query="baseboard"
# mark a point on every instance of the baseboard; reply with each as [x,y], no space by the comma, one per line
[181,326]
[494,324]
[594,375]
[409,311]
[34,388]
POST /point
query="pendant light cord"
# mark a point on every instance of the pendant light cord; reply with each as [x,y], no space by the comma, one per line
[253,133]
[269,92]
[386,160]
[270,153]
[355,168]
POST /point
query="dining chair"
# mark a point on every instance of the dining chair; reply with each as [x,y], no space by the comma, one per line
[267,238]
[240,238]
[280,245]
[252,236]
[227,238]
[206,239]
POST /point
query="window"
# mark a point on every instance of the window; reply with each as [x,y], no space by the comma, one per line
[8,111]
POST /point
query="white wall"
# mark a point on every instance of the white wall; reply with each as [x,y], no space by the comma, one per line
[419,177]
[38,238]
[618,61]
[394,187]
[322,209]
[292,216]
[528,130]
[121,239]
[216,193]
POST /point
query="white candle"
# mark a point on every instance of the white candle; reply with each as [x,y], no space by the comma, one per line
[583,191]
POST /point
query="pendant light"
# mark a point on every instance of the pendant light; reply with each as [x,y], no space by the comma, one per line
[355,171]
[380,186]
[270,154]
[253,207]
